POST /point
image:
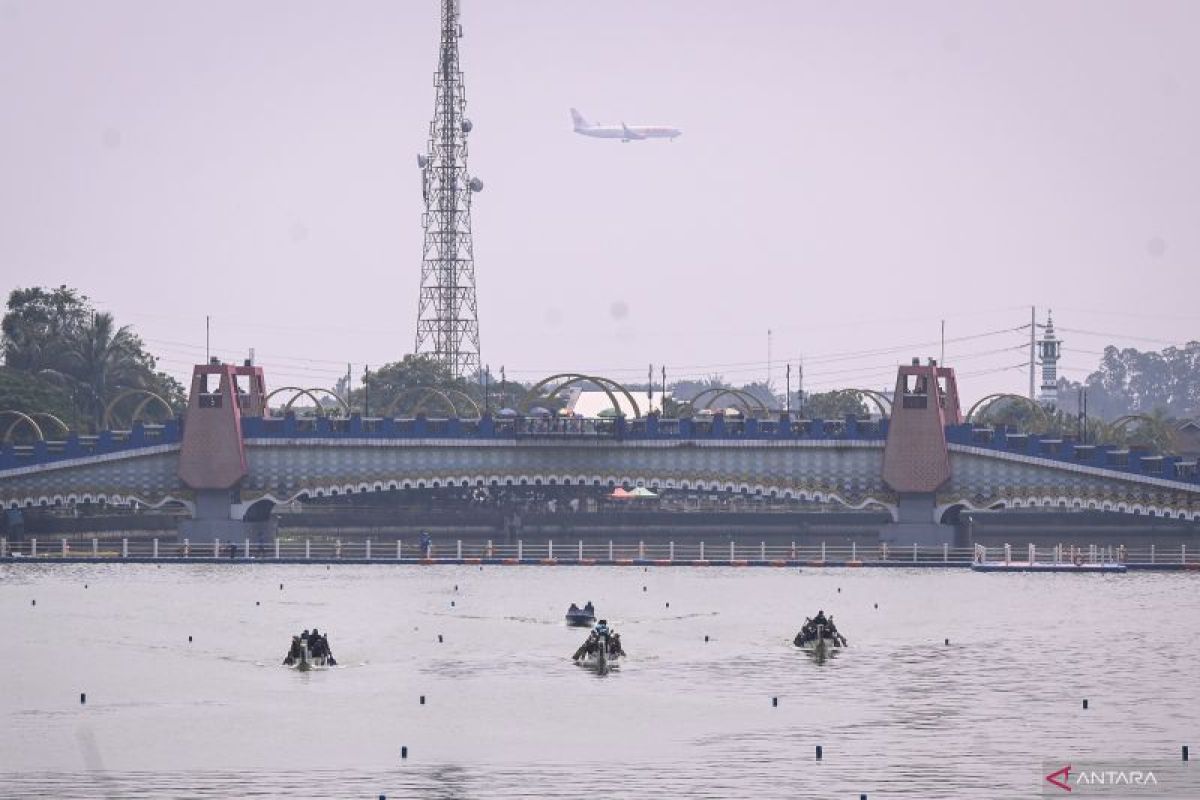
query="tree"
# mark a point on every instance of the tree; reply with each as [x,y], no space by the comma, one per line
[100,361]
[69,356]
[397,383]
[837,404]
[37,325]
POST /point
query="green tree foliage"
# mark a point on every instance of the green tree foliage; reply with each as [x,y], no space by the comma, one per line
[401,387]
[39,325]
[836,404]
[60,353]
[1130,381]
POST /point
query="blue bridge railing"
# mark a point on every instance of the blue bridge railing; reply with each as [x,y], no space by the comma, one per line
[78,445]
[1134,461]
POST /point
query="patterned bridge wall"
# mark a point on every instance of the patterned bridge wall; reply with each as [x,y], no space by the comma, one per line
[147,475]
[844,472]
[984,478]
[824,471]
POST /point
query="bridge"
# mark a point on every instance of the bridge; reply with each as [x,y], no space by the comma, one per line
[229,462]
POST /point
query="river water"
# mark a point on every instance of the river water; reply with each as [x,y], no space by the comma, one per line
[507,714]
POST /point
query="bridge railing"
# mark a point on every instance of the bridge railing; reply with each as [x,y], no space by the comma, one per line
[1135,461]
[520,427]
[75,445]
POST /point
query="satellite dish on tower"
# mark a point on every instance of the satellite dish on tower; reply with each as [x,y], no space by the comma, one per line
[476,185]
[422,161]
[467,126]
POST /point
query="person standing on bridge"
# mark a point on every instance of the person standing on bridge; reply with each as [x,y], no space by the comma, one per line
[426,544]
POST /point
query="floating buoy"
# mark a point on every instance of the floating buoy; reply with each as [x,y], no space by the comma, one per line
[404,752]
[257,603]
[839,590]
[1085,703]
[281,587]
[439,638]
[877,605]
[1185,752]
[85,586]
[189,638]
[819,753]
[422,699]
[33,602]
[456,587]
[643,588]
[774,702]
[947,641]
[668,605]
[452,604]
[83,699]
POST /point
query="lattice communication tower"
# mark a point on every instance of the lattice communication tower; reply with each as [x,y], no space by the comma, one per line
[447,318]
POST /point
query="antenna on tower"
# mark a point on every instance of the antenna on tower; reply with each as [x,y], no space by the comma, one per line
[447,317]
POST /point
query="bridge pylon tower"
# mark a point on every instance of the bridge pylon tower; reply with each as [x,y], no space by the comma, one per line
[447,316]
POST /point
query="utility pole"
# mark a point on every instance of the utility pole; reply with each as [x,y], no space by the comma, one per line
[649,388]
[800,391]
[1032,347]
[768,359]
[788,397]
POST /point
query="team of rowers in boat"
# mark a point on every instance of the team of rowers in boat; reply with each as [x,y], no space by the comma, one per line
[310,647]
[315,646]
[601,636]
[822,626]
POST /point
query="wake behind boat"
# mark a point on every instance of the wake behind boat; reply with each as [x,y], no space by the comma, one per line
[309,651]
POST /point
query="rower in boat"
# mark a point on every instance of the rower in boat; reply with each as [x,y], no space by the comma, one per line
[819,632]
[603,645]
[309,650]
[581,617]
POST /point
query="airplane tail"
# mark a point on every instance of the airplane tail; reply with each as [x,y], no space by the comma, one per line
[578,119]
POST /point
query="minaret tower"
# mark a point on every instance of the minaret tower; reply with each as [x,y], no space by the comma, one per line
[1049,350]
[447,319]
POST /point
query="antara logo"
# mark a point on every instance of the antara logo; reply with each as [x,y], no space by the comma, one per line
[1061,777]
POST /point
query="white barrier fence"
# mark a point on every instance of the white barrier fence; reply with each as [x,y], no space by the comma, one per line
[581,552]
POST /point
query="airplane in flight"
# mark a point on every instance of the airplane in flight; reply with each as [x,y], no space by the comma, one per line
[626,133]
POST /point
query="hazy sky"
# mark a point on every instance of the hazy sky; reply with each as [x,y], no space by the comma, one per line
[850,174]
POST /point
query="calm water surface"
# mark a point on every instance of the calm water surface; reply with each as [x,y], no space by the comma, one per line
[899,714]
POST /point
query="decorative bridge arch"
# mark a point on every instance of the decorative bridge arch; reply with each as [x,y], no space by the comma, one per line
[446,394]
[311,393]
[984,404]
[705,398]
[568,379]
[147,398]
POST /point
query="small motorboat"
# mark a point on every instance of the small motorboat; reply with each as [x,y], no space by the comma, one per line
[581,617]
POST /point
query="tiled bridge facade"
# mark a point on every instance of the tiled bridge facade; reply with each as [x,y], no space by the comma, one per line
[222,463]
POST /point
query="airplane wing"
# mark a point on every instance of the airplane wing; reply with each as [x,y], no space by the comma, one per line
[628,134]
